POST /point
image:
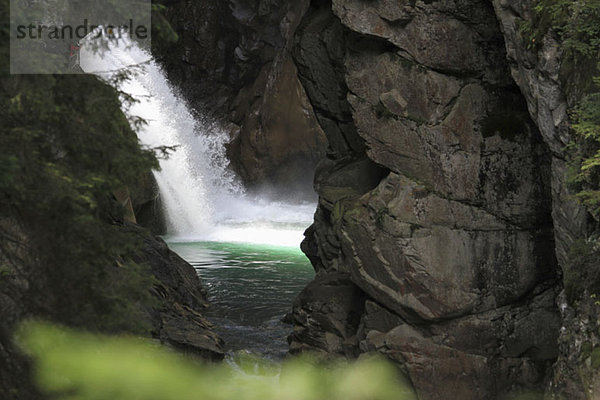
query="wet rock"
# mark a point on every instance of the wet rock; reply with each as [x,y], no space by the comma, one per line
[233,63]
[280,141]
[177,320]
[147,207]
[326,316]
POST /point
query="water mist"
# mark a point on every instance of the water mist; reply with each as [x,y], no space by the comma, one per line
[203,200]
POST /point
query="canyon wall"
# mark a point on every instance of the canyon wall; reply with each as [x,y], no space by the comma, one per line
[445,221]
[233,61]
[550,95]
[445,226]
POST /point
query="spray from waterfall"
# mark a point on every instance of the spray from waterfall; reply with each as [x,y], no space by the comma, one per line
[202,198]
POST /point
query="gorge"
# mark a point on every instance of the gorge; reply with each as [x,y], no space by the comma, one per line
[445,218]
[244,247]
[443,141]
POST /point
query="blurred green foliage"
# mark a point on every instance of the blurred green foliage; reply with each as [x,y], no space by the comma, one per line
[72,365]
[65,147]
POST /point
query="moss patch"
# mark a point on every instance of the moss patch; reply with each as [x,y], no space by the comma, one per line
[586,350]
[596,358]
[582,273]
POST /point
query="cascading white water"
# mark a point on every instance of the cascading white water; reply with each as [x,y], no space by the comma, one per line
[202,198]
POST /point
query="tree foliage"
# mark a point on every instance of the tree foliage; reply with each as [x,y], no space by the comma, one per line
[77,366]
[66,147]
[586,152]
[575,22]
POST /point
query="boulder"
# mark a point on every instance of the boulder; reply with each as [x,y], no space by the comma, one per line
[177,319]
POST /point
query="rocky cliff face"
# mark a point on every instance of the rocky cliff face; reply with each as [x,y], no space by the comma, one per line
[444,216]
[538,74]
[176,319]
[445,222]
[233,59]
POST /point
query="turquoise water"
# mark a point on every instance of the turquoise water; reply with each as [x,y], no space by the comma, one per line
[251,287]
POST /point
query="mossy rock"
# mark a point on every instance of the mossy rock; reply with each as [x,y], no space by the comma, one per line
[596,358]
[582,273]
[586,350]
[335,194]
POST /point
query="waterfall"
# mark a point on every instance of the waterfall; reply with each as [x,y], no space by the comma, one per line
[202,199]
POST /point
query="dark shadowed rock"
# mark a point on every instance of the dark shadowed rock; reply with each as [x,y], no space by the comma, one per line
[537,71]
[147,207]
[175,317]
[326,316]
[177,320]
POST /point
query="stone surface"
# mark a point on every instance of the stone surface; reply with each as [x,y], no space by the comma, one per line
[232,61]
[177,320]
[279,141]
[444,215]
[326,316]
[434,197]
[537,72]
[145,199]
